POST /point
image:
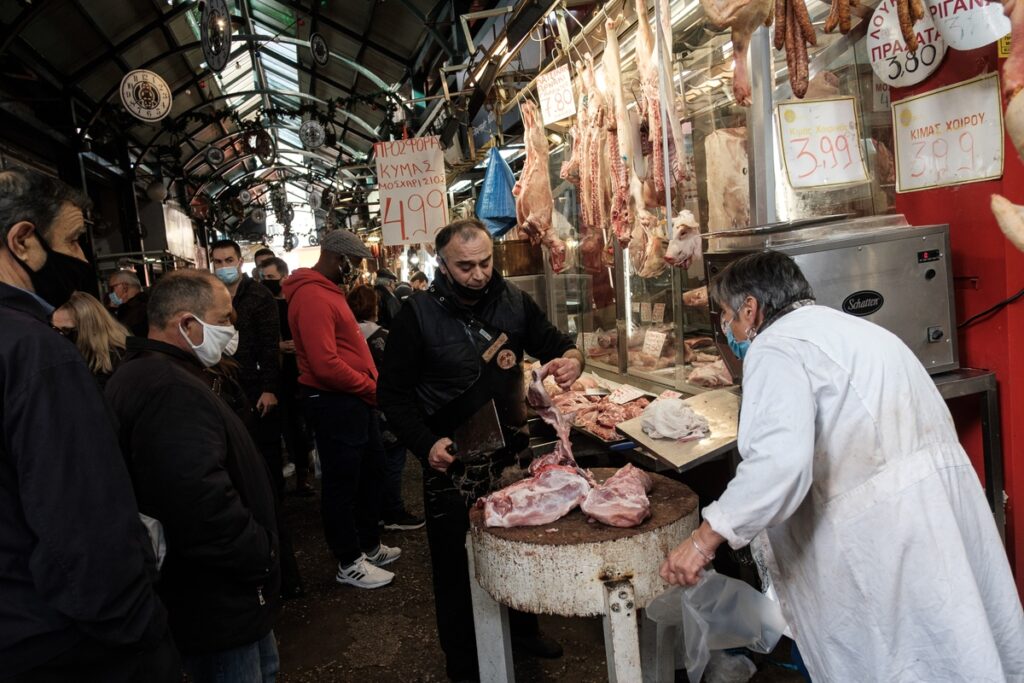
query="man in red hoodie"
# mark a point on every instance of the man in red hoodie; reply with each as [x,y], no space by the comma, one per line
[338,384]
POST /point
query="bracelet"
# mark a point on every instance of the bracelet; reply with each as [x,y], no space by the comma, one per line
[703,553]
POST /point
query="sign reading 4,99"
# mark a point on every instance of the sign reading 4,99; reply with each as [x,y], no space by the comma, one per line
[949,136]
[413,192]
[821,143]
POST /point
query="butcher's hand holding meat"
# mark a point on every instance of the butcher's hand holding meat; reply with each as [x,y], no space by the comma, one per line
[1010,216]
[621,500]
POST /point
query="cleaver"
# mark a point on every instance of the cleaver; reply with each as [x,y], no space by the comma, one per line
[479,436]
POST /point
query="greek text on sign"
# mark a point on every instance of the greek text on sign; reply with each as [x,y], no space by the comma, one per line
[645,312]
[888,52]
[658,314]
[821,143]
[556,97]
[969,24]
[654,343]
[413,191]
[949,136]
[625,393]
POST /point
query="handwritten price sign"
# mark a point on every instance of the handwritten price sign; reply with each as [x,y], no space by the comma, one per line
[891,61]
[969,24]
[821,143]
[556,97]
[949,136]
[413,191]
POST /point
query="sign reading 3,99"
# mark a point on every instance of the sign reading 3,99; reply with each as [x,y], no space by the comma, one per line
[413,190]
[821,143]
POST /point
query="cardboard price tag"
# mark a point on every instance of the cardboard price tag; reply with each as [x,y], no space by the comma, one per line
[625,393]
[635,307]
[658,313]
[654,343]
[949,136]
[413,190]
[645,312]
[820,142]
[556,95]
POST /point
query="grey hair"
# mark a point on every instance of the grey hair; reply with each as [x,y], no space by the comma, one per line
[28,195]
[771,277]
[127,277]
[465,229]
[183,291]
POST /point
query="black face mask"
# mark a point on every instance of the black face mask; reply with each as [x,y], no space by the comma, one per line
[274,286]
[461,290]
[61,276]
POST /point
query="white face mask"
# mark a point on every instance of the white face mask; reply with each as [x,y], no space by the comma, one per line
[232,345]
[216,340]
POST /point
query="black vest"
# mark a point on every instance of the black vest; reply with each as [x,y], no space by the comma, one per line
[455,380]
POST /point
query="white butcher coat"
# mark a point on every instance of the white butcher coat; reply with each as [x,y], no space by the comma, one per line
[887,560]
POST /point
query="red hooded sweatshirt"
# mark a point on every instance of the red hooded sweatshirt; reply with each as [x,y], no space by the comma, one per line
[332,353]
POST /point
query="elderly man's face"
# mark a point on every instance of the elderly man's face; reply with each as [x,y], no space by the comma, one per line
[220,313]
[469,262]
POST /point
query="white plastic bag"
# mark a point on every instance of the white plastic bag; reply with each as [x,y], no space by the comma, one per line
[156,536]
[717,613]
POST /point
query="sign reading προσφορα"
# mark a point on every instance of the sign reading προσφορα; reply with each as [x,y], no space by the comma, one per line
[413,190]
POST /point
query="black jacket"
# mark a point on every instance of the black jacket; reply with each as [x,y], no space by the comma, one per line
[75,561]
[258,336]
[433,375]
[196,469]
[388,306]
[132,314]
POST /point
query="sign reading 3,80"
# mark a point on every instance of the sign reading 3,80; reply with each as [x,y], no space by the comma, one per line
[413,191]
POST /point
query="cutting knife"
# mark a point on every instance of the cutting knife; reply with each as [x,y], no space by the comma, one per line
[479,436]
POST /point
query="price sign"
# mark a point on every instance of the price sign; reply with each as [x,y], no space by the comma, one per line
[635,306]
[888,51]
[820,143]
[556,95]
[413,192]
[668,393]
[880,95]
[654,342]
[645,312]
[969,24]
[949,136]
[589,341]
[658,313]
[625,393]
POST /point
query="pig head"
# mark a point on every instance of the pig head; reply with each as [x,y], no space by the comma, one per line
[685,244]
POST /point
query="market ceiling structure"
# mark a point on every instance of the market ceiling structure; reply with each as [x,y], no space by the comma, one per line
[383,57]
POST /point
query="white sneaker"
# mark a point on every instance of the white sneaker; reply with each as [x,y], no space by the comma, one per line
[383,555]
[363,574]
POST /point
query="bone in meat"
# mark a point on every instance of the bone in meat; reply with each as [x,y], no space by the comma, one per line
[534,202]
[619,141]
[742,17]
[685,245]
[544,498]
[622,500]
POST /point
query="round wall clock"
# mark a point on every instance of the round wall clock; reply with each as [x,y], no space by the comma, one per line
[318,46]
[312,134]
[214,156]
[215,32]
[145,95]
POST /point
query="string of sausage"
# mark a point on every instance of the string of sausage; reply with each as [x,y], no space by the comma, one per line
[793,31]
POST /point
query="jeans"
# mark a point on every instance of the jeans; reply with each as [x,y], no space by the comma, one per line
[394,466]
[351,469]
[253,663]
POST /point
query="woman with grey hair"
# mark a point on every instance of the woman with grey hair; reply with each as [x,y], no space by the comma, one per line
[878,539]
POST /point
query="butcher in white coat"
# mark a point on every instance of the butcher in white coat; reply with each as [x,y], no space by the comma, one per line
[886,557]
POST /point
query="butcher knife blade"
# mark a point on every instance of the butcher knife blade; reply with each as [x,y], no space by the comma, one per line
[480,435]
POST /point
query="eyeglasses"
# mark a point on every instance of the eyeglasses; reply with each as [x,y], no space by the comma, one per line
[724,324]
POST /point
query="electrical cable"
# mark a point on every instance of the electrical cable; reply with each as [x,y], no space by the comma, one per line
[989,311]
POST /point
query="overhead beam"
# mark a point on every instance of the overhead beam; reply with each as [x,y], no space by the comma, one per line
[27,14]
[348,32]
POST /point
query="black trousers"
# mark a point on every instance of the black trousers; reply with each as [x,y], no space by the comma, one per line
[447,514]
[94,662]
[296,440]
[351,470]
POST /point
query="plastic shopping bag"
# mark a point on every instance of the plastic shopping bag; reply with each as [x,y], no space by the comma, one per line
[717,613]
[496,207]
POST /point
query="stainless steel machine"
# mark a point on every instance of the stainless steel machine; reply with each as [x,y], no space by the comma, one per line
[878,268]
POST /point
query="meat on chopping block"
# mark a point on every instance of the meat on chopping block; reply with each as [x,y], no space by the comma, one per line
[685,245]
[621,500]
[1010,216]
[547,496]
[534,202]
[742,17]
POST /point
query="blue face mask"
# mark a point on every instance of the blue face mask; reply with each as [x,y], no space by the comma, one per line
[228,275]
[738,347]
[115,299]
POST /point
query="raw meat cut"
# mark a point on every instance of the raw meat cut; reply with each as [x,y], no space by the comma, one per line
[621,500]
[601,417]
[710,374]
[540,401]
[534,202]
[742,17]
[543,498]
[696,297]
[619,139]
[685,245]
[1010,216]
[671,418]
[647,253]
[726,154]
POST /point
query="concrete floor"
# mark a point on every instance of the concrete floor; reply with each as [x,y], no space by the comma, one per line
[341,633]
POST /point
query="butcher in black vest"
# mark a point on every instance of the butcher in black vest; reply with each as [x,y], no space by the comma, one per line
[451,351]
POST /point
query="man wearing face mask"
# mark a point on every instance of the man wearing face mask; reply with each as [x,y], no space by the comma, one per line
[451,351]
[78,568]
[338,385]
[196,469]
[129,301]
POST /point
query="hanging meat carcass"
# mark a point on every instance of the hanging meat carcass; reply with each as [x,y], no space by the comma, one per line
[619,138]
[728,184]
[1009,215]
[742,17]
[647,250]
[534,202]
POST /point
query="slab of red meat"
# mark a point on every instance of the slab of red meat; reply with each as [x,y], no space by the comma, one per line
[539,399]
[621,500]
[541,499]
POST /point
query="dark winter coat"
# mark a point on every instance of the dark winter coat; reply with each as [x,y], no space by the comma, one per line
[259,335]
